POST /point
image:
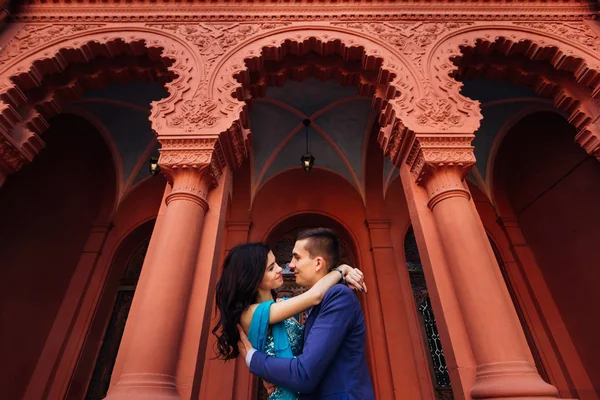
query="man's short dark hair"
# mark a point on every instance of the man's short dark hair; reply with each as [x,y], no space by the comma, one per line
[322,242]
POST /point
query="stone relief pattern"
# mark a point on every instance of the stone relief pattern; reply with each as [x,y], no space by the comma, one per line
[238,136]
[211,41]
[394,144]
[34,40]
[185,158]
[575,32]
[414,40]
[181,153]
[33,36]
[440,151]
[410,39]
[438,112]
[193,153]
[538,34]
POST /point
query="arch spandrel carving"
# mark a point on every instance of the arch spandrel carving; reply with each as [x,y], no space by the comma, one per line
[201,110]
[568,46]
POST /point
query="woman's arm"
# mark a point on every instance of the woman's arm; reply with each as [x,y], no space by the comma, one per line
[312,297]
[283,310]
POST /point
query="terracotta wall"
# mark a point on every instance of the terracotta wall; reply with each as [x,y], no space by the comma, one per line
[47,211]
[553,188]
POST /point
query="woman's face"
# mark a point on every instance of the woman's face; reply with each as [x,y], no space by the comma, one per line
[272,279]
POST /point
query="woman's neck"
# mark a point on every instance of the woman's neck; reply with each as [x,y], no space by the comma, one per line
[263,295]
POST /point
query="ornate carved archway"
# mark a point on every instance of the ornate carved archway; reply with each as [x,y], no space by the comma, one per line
[570,76]
[44,67]
[396,84]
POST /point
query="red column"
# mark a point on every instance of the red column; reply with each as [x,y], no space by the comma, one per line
[504,368]
[150,364]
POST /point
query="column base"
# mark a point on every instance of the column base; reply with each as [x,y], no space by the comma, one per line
[144,387]
[511,380]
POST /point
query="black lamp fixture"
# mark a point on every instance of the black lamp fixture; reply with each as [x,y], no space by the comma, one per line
[307,159]
[153,166]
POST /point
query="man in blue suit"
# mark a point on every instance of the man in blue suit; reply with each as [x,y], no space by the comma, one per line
[332,365]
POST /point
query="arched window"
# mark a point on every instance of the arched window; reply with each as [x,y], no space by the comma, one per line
[427,318]
[107,355]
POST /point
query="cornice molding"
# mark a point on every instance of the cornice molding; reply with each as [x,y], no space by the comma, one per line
[323,10]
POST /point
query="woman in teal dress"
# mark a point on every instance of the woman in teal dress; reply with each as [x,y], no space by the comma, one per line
[245,296]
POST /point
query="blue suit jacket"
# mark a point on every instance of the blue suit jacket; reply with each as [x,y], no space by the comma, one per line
[332,365]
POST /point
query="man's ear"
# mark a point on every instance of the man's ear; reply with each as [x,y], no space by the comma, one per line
[320,264]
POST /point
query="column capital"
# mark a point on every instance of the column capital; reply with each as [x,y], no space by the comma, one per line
[440,162]
[192,165]
[178,153]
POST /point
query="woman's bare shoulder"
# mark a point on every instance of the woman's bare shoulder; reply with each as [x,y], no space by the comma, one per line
[247,316]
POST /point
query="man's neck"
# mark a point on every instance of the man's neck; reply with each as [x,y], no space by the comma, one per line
[317,280]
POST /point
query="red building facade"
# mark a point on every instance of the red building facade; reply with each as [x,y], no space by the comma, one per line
[456,146]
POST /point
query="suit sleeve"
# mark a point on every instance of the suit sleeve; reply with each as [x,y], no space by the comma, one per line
[303,374]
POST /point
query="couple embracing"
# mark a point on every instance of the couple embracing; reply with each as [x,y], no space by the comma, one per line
[325,359]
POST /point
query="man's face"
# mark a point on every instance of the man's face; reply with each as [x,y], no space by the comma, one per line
[306,269]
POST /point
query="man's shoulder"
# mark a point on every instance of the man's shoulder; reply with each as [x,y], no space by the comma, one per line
[339,291]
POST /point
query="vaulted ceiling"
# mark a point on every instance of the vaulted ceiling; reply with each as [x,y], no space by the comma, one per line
[338,134]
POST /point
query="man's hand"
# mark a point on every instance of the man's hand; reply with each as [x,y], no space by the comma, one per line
[243,344]
[269,386]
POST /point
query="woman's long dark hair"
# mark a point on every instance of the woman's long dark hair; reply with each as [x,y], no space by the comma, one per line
[243,270]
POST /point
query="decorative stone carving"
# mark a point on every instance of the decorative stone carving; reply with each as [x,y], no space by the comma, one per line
[212,41]
[525,37]
[434,111]
[573,31]
[34,36]
[301,11]
[429,153]
[236,138]
[568,46]
[195,115]
[394,144]
[201,154]
[410,39]
[10,155]
[39,50]
[438,112]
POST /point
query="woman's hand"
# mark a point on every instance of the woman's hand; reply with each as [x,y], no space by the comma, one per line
[354,278]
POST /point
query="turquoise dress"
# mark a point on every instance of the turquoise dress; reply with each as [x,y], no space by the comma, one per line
[283,340]
[295,333]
